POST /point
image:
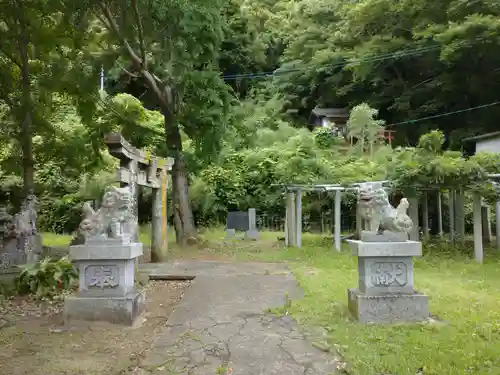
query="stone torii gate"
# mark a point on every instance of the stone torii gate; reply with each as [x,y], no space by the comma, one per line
[140,168]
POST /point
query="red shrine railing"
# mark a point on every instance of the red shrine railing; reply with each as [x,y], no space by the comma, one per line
[387,135]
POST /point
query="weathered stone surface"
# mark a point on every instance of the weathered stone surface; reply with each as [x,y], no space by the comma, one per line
[385,249]
[252,232]
[106,250]
[115,219]
[118,310]
[374,207]
[230,233]
[222,320]
[385,291]
[382,275]
[385,236]
[106,263]
[106,278]
[389,308]
[237,220]
[19,241]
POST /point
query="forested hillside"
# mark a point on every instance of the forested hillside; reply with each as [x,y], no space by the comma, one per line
[227,89]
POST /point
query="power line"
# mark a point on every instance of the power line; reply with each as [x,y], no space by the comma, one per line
[445,114]
[373,58]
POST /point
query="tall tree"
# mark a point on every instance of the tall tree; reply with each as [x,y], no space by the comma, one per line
[363,126]
[33,41]
[410,59]
[169,46]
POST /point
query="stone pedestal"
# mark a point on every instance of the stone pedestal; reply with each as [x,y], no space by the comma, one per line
[106,290]
[385,292]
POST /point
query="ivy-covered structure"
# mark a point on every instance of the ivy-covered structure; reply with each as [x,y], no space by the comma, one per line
[425,174]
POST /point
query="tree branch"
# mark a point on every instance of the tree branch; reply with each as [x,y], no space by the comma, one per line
[127,71]
[113,27]
[104,22]
[150,80]
[140,31]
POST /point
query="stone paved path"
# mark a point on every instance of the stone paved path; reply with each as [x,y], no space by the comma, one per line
[222,321]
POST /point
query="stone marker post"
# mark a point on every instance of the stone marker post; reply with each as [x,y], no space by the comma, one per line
[252,232]
[385,292]
[106,263]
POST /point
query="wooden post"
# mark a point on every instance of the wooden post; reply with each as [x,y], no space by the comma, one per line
[425,215]
[298,218]
[478,230]
[338,218]
[460,215]
[485,212]
[415,232]
[290,219]
[287,220]
[451,210]
[497,225]
[440,214]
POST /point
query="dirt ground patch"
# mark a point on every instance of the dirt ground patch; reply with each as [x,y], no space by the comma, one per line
[34,340]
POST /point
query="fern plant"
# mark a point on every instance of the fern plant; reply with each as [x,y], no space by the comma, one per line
[47,278]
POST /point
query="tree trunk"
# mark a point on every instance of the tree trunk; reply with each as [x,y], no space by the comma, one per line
[183,214]
[26,133]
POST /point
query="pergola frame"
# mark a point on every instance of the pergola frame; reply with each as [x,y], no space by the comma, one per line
[293,220]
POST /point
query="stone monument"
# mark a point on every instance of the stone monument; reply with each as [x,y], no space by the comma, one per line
[19,241]
[385,262]
[242,221]
[106,263]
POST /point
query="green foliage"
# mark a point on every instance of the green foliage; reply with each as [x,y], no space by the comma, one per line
[443,56]
[410,60]
[427,166]
[46,279]
[431,142]
[326,138]
[363,126]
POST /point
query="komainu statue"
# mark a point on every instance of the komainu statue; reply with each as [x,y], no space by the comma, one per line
[374,207]
[115,219]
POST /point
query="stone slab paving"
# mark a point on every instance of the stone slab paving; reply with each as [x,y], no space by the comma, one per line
[222,320]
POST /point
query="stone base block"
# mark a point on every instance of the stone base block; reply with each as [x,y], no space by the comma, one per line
[388,308]
[385,249]
[252,235]
[117,310]
[386,236]
[146,255]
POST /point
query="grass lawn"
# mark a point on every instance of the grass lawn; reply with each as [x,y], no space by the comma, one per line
[463,295]
[62,240]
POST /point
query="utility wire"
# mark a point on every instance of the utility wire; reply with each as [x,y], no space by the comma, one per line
[374,58]
[445,114]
